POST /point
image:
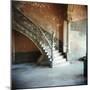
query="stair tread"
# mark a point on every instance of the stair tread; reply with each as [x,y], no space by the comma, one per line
[59,57]
[49,49]
[56,52]
[61,64]
[59,61]
[54,55]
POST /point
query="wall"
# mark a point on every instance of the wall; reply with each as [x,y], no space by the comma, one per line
[23,49]
[22,43]
[77,31]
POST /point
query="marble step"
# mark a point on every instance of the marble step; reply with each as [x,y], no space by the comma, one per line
[55,51]
[45,45]
[60,64]
[58,58]
[55,55]
[48,48]
[49,51]
[59,61]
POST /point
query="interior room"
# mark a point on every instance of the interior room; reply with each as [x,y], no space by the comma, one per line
[49,44]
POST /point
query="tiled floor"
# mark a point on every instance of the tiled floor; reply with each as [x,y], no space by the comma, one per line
[31,76]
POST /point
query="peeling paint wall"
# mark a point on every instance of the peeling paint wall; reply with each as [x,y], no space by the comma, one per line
[77,40]
[77,32]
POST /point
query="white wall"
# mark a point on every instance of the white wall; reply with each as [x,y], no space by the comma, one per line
[77,39]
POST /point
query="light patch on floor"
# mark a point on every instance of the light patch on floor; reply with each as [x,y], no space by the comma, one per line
[31,76]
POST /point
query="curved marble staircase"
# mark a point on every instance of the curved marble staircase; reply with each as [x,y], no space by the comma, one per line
[42,39]
[57,57]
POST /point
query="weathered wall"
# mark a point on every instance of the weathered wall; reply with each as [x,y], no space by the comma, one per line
[77,12]
[77,31]
[48,16]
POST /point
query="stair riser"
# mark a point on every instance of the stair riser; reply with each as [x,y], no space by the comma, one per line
[59,65]
[57,57]
[60,61]
[53,53]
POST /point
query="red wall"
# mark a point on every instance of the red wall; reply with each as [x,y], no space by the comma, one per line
[21,43]
[77,12]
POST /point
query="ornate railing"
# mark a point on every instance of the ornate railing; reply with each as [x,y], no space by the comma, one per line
[39,35]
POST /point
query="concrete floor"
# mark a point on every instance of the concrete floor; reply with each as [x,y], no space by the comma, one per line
[28,75]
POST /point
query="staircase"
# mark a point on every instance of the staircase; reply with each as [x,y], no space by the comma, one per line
[42,39]
[57,57]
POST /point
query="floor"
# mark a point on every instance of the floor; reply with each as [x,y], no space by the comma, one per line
[28,75]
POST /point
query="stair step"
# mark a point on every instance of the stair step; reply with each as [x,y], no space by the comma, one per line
[57,54]
[59,61]
[55,51]
[48,54]
[58,58]
[46,48]
[54,44]
[54,55]
[60,64]
[47,51]
[43,45]
[40,43]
